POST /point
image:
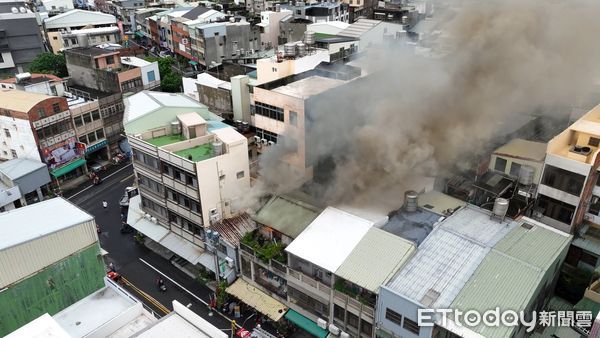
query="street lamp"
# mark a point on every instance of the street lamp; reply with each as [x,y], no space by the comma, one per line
[212,243]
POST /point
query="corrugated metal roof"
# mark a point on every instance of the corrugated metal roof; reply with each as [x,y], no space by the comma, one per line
[330,238]
[23,224]
[233,229]
[375,259]
[448,257]
[20,167]
[538,246]
[511,272]
[286,215]
[360,27]
[500,281]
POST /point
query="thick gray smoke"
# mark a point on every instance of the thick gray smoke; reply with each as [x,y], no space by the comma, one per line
[423,115]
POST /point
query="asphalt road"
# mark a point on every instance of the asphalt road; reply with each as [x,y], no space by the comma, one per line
[136,263]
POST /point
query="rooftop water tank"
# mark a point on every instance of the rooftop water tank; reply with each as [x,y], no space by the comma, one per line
[411,201]
[310,38]
[175,128]
[289,49]
[500,208]
[301,49]
[217,147]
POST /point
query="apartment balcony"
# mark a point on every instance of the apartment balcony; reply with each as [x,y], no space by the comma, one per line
[152,85]
[360,307]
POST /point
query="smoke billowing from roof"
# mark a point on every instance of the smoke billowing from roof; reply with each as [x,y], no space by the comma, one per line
[417,114]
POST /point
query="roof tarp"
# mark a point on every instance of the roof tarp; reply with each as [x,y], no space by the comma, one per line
[65,169]
[257,299]
[306,324]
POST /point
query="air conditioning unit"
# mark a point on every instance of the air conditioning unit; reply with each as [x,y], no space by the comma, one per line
[344,335]
[148,216]
[271,143]
[264,141]
[154,220]
[229,262]
[322,323]
[184,41]
[257,139]
[334,329]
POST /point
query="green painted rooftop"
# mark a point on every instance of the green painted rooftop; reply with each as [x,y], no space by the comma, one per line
[197,153]
[286,215]
[164,140]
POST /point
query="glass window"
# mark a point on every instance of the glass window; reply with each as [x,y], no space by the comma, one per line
[151,76]
[87,118]
[83,139]
[100,133]
[56,107]
[110,60]
[514,169]
[42,112]
[393,316]
[240,174]
[78,121]
[95,115]
[352,319]
[366,327]
[92,137]
[411,326]
[500,164]
[563,180]
[594,142]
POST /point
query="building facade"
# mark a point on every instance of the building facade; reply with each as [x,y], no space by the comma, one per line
[80,28]
[20,38]
[21,183]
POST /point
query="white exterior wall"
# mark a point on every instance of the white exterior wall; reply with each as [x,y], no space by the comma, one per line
[58,4]
[55,246]
[8,196]
[271,31]
[213,192]
[189,88]
[268,70]
[21,139]
[539,166]
[151,67]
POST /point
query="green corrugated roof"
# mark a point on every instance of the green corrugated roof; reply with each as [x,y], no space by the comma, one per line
[306,324]
[286,215]
[510,274]
[586,304]
[163,116]
[537,246]
[375,259]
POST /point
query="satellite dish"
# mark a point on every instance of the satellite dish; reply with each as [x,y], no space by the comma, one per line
[14,10]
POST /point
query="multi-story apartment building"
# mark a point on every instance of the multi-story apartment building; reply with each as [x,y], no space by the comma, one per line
[85,109]
[324,291]
[20,38]
[55,7]
[284,105]
[568,185]
[124,11]
[192,171]
[269,27]
[103,69]
[459,261]
[183,28]
[79,28]
[39,127]
[145,31]
[319,11]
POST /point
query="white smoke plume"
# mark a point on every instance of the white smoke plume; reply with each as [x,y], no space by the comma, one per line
[417,114]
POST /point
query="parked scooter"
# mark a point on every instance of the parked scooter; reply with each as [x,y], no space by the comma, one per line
[161,284]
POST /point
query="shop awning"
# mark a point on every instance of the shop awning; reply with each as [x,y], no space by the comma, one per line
[257,299]
[182,247]
[96,146]
[136,218]
[139,34]
[193,63]
[208,261]
[306,324]
[65,169]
